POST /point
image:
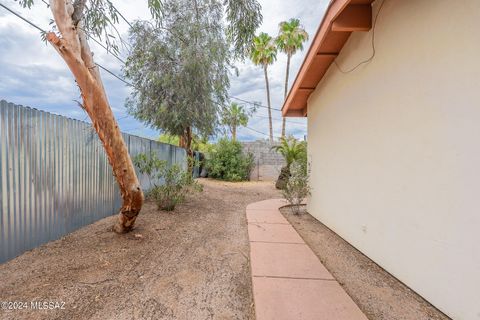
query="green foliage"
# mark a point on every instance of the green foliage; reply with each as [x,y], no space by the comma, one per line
[244,17]
[291,36]
[297,187]
[263,51]
[175,184]
[25,3]
[180,77]
[233,117]
[226,161]
[179,66]
[198,144]
[169,139]
[292,150]
[155,7]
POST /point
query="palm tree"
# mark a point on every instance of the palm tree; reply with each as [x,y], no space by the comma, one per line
[291,37]
[233,117]
[291,149]
[264,53]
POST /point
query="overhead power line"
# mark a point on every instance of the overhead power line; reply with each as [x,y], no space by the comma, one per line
[113,74]
[278,119]
[104,47]
[42,30]
[121,15]
[255,104]
[260,132]
[19,16]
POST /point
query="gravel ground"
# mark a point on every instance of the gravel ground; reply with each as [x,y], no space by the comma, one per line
[189,264]
[378,294]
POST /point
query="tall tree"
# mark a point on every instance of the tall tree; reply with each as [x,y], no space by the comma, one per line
[290,39]
[263,53]
[74,23]
[180,66]
[233,117]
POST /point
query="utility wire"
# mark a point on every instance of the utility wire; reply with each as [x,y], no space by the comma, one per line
[262,133]
[104,47]
[42,30]
[232,97]
[121,15]
[118,58]
[19,16]
[278,119]
[113,74]
[128,83]
[254,103]
[373,46]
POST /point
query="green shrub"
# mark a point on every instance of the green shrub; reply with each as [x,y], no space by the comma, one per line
[227,161]
[170,184]
[297,187]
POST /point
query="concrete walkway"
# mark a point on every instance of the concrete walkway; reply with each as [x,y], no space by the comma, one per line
[289,281]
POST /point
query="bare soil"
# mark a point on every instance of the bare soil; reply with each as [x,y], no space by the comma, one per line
[378,294]
[188,264]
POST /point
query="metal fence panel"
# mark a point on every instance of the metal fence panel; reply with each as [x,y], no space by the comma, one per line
[55,176]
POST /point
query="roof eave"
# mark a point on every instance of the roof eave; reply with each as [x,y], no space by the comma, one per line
[341,18]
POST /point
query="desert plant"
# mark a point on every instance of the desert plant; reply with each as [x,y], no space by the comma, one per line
[170,184]
[292,150]
[227,161]
[297,187]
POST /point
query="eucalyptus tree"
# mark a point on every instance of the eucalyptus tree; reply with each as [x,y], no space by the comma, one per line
[180,66]
[74,22]
[290,39]
[233,117]
[263,53]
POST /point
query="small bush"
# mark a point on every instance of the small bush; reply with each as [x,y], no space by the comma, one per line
[227,161]
[170,184]
[297,187]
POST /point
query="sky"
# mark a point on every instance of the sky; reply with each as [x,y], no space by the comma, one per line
[33,74]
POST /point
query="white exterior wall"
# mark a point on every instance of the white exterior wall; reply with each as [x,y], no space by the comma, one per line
[395,149]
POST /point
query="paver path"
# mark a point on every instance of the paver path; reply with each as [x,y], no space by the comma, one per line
[289,281]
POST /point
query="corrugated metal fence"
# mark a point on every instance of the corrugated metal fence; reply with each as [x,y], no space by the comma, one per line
[55,176]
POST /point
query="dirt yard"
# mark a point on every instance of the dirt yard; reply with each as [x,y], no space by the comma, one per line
[189,264]
[378,294]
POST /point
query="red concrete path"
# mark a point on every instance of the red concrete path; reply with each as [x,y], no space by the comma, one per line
[289,281]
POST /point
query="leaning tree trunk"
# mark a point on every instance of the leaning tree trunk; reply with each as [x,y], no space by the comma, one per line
[285,94]
[74,49]
[268,101]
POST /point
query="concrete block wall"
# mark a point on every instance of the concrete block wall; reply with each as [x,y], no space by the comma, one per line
[268,162]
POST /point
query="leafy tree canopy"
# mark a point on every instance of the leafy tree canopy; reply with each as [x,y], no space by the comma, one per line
[180,66]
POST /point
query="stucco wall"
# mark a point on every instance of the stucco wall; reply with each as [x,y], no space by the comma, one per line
[395,149]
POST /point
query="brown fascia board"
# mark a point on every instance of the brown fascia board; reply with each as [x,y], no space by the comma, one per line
[341,19]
